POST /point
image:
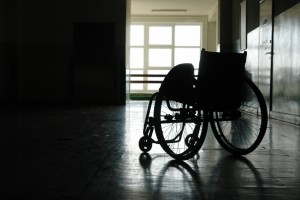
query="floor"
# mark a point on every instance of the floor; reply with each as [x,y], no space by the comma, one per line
[92,153]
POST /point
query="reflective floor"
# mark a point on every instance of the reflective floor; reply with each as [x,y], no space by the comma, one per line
[92,153]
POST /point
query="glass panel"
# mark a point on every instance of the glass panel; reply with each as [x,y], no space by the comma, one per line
[187,35]
[160,57]
[136,57]
[187,55]
[163,72]
[137,35]
[136,71]
[155,78]
[136,78]
[153,86]
[160,35]
[136,86]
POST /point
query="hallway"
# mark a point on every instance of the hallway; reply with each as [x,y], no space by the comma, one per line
[92,152]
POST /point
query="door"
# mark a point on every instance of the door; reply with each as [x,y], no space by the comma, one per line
[94,60]
[265,51]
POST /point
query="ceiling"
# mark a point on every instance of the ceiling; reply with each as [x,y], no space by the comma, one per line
[172,7]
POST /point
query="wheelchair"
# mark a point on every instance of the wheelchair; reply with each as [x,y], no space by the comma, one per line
[223,96]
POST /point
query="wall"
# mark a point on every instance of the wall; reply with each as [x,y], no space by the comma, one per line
[212,29]
[8,47]
[3,42]
[286,68]
[230,39]
[225,29]
[43,52]
[211,36]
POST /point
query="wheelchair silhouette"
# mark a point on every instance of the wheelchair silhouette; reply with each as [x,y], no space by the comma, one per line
[223,96]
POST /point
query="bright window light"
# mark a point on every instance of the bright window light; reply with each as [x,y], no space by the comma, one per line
[153,86]
[160,35]
[136,71]
[136,86]
[160,57]
[137,35]
[187,55]
[136,57]
[163,72]
[188,35]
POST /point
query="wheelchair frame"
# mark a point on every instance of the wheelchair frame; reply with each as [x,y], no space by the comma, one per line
[228,125]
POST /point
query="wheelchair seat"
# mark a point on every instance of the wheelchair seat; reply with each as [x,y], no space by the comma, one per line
[179,84]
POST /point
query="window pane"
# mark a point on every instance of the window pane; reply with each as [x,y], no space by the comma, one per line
[187,55]
[160,57]
[153,86]
[156,79]
[137,35]
[136,71]
[160,35]
[136,57]
[162,72]
[187,35]
[136,86]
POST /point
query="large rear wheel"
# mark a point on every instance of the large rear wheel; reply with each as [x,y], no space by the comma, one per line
[241,131]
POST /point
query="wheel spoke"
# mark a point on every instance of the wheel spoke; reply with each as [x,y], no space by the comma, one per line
[243,135]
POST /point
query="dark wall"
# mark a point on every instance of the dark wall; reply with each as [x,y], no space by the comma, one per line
[252,20]
[230,22]
[37,52]
[286,66]
[8,59]
[286,76]
[252,15]
[281,5]
[225,25]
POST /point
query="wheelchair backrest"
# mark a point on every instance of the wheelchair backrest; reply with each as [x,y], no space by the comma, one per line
[220,78]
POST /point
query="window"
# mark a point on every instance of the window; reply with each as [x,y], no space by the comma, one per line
[159,35]
[160,57]
[156,48]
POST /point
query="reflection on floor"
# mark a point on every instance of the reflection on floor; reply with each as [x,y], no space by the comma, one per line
[92,153]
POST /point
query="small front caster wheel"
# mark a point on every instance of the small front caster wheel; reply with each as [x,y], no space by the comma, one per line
[190,140]
[145,144]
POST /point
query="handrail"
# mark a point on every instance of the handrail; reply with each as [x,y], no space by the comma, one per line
[146,75]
